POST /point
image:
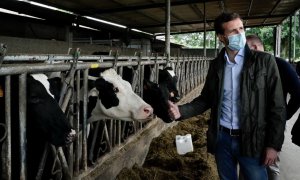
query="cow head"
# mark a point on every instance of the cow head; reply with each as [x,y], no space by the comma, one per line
[157,97]
[167,81]
[117,100]
[44,114]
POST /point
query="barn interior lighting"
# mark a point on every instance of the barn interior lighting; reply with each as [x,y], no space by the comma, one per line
[136,30]
[46,6]
[18,14]
[85,27]
[88,17]
[106,22]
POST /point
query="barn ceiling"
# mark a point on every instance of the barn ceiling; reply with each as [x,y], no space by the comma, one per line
[149,15]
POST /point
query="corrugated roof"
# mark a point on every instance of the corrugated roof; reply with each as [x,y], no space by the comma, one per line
[149,15]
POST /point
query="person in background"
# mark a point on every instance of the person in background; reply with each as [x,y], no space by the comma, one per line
[243,90]
[290,85]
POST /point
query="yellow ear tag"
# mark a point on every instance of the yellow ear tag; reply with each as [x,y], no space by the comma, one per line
[94,65]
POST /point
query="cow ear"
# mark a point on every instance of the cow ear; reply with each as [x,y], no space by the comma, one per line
[106,93]
[100,83]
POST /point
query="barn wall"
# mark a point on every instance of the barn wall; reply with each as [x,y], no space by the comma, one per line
[40,46]
[199,52]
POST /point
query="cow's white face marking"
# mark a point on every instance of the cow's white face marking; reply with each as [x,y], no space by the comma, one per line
[42,78]
[171,72]
[131,106]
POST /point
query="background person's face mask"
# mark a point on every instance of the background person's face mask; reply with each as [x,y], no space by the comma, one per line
[237,41]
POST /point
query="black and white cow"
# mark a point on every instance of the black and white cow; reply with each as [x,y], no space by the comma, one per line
[117,100]
[111,97]
[158,94]
[44,111]
[45,122]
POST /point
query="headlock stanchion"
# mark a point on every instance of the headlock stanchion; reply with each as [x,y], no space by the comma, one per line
[78,159]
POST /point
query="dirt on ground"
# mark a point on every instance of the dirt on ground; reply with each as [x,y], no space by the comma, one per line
[164,163]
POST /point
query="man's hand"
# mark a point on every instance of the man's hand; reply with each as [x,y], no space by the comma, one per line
[173,111]
[270,156]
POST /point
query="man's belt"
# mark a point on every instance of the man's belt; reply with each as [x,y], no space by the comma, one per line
[231,132]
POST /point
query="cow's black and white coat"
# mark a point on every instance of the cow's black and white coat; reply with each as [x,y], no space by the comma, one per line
[117,100]
[46,123]
[158,94]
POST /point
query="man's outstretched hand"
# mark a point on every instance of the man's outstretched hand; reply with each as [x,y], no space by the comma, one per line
[173,111]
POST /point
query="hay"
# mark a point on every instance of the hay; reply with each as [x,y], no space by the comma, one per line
[164,163]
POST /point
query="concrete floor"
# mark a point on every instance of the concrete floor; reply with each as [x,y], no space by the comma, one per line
[290,155]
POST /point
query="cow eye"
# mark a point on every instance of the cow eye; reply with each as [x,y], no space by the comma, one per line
[116,89]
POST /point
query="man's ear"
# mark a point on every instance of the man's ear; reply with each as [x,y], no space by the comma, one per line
[254,46]
[222,38]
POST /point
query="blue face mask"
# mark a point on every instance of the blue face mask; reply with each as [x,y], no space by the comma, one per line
[237,41]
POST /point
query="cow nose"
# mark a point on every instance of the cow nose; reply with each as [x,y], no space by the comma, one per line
[148,110]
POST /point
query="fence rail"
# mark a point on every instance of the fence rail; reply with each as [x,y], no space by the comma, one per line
[80,155]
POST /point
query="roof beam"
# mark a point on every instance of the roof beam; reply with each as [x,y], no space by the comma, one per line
[150,6]
[211,20]
[149,17]
[197,10]
[273,9]
[211,29]
[171,13]
[249,10]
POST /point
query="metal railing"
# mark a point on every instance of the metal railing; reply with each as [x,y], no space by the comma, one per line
[77,157]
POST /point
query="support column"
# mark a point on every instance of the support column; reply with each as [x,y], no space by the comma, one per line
[167,31]
[216,48]
[294,40]
[69,36]
[290,39]
[204,43]
[277,40]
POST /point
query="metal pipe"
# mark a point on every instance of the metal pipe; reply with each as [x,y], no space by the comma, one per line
[294,40]
[10,69]
[91,151]
[84,123]
[7,143]
[42,163]
[290,39]
[204,19]
[71,113]
[22,125]
[167,30]
[76,124]
[67,98]
[63,162]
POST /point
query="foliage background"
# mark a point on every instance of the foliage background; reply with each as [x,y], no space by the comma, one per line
[266,33]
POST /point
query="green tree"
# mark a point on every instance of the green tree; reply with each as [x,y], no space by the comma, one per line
[266,33]
[267,36]
[195,40]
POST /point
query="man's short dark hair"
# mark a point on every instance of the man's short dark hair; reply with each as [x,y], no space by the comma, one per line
[254,38]
[223,18]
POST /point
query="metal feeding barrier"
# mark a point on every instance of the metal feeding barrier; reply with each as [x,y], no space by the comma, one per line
[70,161]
